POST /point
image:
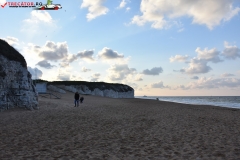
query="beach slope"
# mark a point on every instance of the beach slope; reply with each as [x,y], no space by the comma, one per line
[107,128]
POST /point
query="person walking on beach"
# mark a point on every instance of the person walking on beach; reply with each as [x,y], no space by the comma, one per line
[76,99]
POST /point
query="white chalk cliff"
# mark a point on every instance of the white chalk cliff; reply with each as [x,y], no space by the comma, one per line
[16,86]
[96,88]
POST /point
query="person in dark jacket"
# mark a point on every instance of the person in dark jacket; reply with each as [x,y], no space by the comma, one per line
[76,96]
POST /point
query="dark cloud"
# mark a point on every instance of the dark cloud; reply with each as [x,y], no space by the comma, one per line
[54,52]
[231,52]
[227,75]
[45,64]
[154,71]
[35,72]
[86,55]
[195,77]
[107,53]
[159,85]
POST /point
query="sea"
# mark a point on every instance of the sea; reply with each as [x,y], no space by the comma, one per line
[221,101]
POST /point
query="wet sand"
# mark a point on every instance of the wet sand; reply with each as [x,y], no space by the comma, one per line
[129,129]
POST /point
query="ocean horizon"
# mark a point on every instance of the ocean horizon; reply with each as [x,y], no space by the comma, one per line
[221,101]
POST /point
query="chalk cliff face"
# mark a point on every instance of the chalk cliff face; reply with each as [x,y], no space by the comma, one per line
[16,86]
[95,88]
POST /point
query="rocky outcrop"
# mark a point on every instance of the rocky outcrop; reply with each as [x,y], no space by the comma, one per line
[16,86]
[96,88]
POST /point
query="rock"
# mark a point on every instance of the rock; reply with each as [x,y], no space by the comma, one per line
[16,86]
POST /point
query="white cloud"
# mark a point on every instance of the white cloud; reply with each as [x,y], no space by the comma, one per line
[118,72]
[181,30]
[138,78]
[231,52]
[84,69]
[179,58]
[11,40]
[196,66]
[128,9]
[163,13]
[122,4]
[227,75]
[154,71]
[109,54]
[95,8]
[199,64]
[208,83]
[209,55]
[35,72]
[40,23]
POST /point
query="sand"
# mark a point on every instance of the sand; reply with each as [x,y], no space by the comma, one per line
[129,129]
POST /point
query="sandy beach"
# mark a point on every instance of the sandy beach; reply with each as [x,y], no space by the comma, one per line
[129,129]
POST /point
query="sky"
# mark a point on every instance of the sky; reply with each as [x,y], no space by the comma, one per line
[158,47]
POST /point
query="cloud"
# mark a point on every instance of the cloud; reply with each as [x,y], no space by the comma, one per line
[159,85]
[138,78]
[86,54]
[35,72]
[209,83]
[195,77]
[199,64]
[180,30]
[231,52]
[128,9]
[64,76]
[179,58]
[227,75]
[122,4]
[11,40]
[120,72]
[154,71]
[209,55]
[84,69]
[162,14]
[196,66]
[95,77]
[95,8]
[40,23]
[45,64]
[54,52]
[107,53]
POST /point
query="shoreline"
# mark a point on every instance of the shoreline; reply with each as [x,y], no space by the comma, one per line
[208,103]
[108,128]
